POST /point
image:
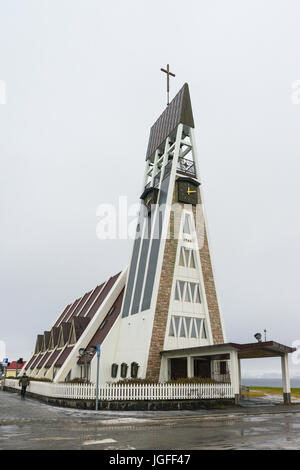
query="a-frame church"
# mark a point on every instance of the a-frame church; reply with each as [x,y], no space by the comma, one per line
[158,319]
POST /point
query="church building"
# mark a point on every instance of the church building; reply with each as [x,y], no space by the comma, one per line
[159,319]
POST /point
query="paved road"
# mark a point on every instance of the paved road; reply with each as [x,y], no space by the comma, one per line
[30,424]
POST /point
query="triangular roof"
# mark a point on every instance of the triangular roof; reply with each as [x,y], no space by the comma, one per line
[46,340]
[79,324]
[38,344]
[179,111]
[54,337]
[64,334]
[105,326]
[77,316]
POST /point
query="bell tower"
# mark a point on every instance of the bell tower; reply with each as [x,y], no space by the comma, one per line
[170,300]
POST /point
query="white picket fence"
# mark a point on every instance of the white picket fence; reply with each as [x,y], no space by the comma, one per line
[127,392]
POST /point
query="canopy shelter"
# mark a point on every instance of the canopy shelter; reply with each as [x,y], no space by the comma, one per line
[188,360]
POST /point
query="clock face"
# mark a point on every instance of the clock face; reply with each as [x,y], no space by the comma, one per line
[187,192]
[150,199]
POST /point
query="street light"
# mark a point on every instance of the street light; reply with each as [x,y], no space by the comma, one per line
[85,353]
[19,361]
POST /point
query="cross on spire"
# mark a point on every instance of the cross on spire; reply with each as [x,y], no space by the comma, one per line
[168,80]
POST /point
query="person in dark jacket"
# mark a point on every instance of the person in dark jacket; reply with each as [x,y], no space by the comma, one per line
[24,382]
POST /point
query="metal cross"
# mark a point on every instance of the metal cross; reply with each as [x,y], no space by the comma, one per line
[168,80]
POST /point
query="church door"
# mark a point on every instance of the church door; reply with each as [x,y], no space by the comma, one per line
[178,368]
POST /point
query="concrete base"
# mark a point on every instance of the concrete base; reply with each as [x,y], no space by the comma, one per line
[237,399]
[131,405]
[287,398]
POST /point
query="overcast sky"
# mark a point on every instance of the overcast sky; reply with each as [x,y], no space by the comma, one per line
[83,87]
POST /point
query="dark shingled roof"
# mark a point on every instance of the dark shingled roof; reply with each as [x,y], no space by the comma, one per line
[37,359]
[39,343]
[30,362]
[79,313]
[65,327]
[46,340]
[105,326]
[42,362]
[53,358]
[60,318]
[63,356]
[55,335]
[80,324]
[179,111]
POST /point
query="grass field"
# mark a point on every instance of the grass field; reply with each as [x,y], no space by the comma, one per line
[262,391]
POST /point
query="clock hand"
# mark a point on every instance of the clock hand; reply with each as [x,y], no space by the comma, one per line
[189,191]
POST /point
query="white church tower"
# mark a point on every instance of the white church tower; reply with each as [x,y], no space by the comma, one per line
[170,301]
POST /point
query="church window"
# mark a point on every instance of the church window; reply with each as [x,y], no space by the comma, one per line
[198,323]
[193,332]
[192,260]
[204,335]
[114,370]
[124,368]
[187,324]
[192,286]
[171,330]
[176,322]
[177,296]
[186,255]
[198,298]
[187,293]
[181,258]
[187,258]
[181,288]
[134,370]
[182,329]
[111,310]
[186,225]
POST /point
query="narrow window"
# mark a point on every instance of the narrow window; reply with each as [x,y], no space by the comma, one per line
[198,322]
[176,321]
[192,260]
[187,256]
[181,258]
[193,332]
[188,324]
[198,298]
[181,287]
[204,335]
[187,293]
[177,297]
[186,225]
[182,329]
[111,310]
[171,331]
[192,286]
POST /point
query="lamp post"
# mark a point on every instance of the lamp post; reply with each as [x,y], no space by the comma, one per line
[85,353]
[19,361]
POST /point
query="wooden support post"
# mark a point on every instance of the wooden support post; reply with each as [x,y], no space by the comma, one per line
[234,361]
[286,379]
[190,366]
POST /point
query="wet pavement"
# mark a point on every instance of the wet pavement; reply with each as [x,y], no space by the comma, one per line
[29,424]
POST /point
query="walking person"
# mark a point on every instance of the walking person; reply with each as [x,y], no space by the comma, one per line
[24,382]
